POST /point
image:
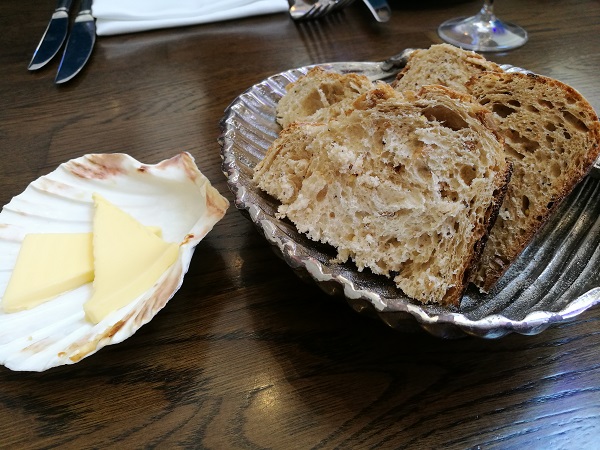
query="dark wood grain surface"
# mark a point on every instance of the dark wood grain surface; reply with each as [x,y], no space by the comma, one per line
[246,355]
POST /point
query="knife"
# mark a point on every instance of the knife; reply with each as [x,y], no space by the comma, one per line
[380,9]
[53,37]
[79,45]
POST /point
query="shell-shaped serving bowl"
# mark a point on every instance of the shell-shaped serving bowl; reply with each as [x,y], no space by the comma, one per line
[173,195]
[554,280]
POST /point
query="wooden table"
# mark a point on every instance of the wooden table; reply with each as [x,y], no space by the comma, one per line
[246,355]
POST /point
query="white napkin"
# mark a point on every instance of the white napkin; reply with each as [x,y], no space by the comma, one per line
[129,16]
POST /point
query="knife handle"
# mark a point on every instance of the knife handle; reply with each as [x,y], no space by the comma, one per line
[380,9]
[85,5]
[63,5]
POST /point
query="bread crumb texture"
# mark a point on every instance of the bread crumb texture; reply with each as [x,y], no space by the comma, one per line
[401,186]
[442,64]
[320,96]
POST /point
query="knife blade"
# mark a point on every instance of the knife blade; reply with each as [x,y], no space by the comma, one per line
[79,45]
[54,36]
[380,9]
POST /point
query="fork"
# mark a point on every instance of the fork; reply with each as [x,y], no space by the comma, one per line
[314,9]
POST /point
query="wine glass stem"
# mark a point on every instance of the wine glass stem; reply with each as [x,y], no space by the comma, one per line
[487,11]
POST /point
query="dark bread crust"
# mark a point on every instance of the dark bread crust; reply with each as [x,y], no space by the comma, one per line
[454,296]
[552,136]
[491,216]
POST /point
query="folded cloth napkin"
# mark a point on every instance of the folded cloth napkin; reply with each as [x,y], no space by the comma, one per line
[129,16]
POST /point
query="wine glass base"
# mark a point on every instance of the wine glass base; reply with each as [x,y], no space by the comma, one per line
[474,33]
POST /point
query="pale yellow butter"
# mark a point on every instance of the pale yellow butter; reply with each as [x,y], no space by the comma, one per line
[128,259]
[48,265]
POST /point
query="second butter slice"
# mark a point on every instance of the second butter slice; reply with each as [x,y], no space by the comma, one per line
[128,259]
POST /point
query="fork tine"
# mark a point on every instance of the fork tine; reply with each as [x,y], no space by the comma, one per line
[318,9]
[327,8]
[339,4]
[314,13]
[323,10]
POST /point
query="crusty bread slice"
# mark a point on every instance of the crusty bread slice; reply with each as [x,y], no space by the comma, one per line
[442,64]
[319,95]
[404,185]
[552,137]
[283,169]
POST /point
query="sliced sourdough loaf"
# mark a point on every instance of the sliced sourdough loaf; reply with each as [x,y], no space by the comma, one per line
[406,186]
[319,95]
[442,64]
[552,137]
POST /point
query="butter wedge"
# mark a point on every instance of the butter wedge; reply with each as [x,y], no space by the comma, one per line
[128,259]
[48,265]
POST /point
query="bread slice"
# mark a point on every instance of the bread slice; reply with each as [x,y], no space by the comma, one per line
[406,186]
[319,95]
[552,137]
[442,64]
[283,169]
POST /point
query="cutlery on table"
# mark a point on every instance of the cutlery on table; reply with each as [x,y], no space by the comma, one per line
[53,37]
[315,9]
[311,9]
[79,45]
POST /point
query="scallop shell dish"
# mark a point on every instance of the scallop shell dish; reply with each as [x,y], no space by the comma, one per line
[92,251]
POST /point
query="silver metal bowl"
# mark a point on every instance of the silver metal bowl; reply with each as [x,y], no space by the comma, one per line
[554,280]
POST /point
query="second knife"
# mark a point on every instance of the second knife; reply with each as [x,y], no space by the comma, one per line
[79,45]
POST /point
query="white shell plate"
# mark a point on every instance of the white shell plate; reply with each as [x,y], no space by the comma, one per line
[173,195]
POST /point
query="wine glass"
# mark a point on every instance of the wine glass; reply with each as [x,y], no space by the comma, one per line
[483,31]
